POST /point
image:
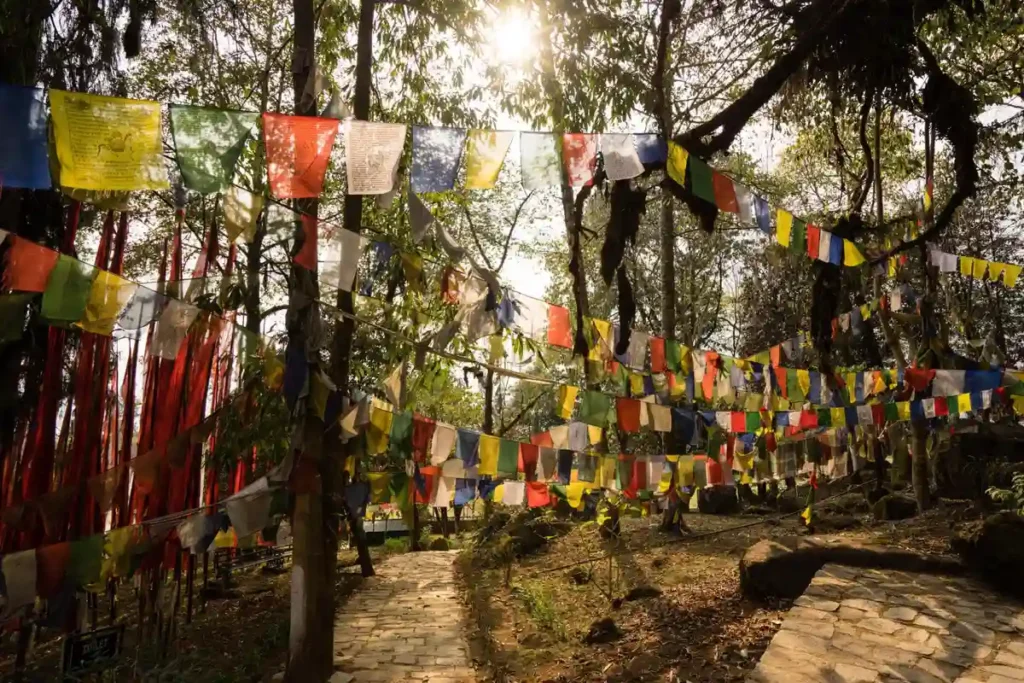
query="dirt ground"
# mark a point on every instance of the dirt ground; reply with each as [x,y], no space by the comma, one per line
[698,629]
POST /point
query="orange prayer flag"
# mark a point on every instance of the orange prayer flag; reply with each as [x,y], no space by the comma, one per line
[813,240]
[657,354]
[775,353]
[28,266]
[559,329]
[710,374]
[725,192]
[298,149]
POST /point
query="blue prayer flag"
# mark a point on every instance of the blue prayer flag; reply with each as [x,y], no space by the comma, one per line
[980,380]
[436,153]
[851,417]
[814,396]
[465,491]
[835,251]
[917,411]
[651,148]
[23,147]
[684,427]
[466,447]
[763,214]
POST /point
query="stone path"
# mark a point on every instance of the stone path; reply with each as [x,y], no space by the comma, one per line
[854,625]
[405,624]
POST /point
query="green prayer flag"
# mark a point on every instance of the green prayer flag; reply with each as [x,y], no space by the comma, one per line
[399,489]
[673,355]
[715,440]
[85,560]
[824,417]
[623,473]
[67,290]
[892,412]
[207,144]
[400,443]
[508,457]
[798,238]
[13,309]
[753,422]
[558,491]
[701,183]
[594,408]
[796,392]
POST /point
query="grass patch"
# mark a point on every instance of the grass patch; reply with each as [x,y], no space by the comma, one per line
[540,605]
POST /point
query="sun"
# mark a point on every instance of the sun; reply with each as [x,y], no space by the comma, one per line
[511,38]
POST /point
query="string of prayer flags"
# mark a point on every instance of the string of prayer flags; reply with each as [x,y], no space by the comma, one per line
[485,155]
[436,153]
[207,144]
[540,160]
[241,210]
[621,160]
[107,143]
[24,157]
[372,153]
[298,151]
[579,150]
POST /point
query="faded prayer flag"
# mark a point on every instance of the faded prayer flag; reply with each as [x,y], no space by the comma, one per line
[485,154]
[435,157]
[621,161]
[580,153]
[67,290]
[107,143]
[241,210]
[24,160]
[298,150]
[207,144]
[108,296]
[372,152]
[28,265]
[540,161]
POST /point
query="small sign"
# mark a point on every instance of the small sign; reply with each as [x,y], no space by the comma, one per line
[87,650]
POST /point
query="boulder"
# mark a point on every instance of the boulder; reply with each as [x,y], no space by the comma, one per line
[893,507]
[995,548]
[602,631]
[718,500]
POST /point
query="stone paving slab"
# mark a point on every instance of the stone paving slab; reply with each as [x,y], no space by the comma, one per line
[405,624]
[868,625]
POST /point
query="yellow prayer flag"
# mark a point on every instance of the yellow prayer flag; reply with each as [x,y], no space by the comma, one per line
[485,154]
[496,349]
[838,417]
[892,267]
[241,210]
[594,434]
[379,487]
[574,494]
[980,266]
[806,515]
[665,483]
[803,378]
[109,294]
[1010,274]
[963,403]
[865,312]
[1018,405]
[851,254]
[379,431]
[966,265]
[678,386]
[783,227]
[498,494]
[107,143]
[851,386]
[566,400]
[636,384]
[903,410]
[489,448]
[602,348]
[685,470]
[605,477]
[995,270]
[676,166]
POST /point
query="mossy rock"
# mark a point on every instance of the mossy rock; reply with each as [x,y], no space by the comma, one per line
[894,507]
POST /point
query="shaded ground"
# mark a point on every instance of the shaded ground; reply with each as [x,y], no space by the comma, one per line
[699,629]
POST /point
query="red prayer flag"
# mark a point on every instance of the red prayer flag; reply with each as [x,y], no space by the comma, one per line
[529,454]
[451,283]
[422,433]
[813,238]
[559,328]
[628,413]
[878,414]
[298,149]
[657,354]
[714,469]
[918,378]
[775,354]
[725,192]
[543,439]
[51,567]
[579,151]
[738,421]
[307,253]
[780,379]
[537,494]
[710,373]
[808,419]
[429,475]
[941,406]
[28,265]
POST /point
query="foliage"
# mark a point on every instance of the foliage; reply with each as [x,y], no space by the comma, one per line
[1011,498]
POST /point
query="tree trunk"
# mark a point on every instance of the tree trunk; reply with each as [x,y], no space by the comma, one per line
[919,467]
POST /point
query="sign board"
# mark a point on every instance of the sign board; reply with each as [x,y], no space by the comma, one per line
[87,650]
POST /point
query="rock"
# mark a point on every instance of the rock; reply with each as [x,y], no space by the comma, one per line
[894,507]
[276,678]
[341,677]
[718,500]
[996,549]
[439,544]
[642,663]
[641,592]
[602,631]
[579,576]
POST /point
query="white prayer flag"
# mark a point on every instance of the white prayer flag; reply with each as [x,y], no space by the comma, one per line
[514,492]
[249,509]
[824,245]
[621,162]
[20,578]
[172,327]
[442,443]
[372,152]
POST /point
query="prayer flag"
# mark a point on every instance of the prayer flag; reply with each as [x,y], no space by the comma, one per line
[306,256]
[813,241]
[372,153]
[628,414]
[1010,274]
[298,150]
[466,448]
[677,162]
[241,210]
[423,429]
[514,493]
[621,161]
[108,296]
[207,144]
[701,180]
[489,453]
[763,213]
[650,148]
[995,270]
[966,265]
[798,236]
[660,417]
[835,250]
[379,431]
[579,151]
[172,327]
[725,193]
[979,268]
[851,254]
[107,143]
[744,203]
[540,161]
[559,332]
[28,265]
[783,227]
[838,417]
[963,402]
[508,457]
[566,400]
[594,409]
[529,454]
[67,291]
[249,509]
[657,354]
[537,494]
[400,438]
[484,157]
[559,436]
[436,153]
[24,156]
[341,272]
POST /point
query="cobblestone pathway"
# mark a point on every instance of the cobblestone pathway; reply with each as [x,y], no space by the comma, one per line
[854,625]
[405,624]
